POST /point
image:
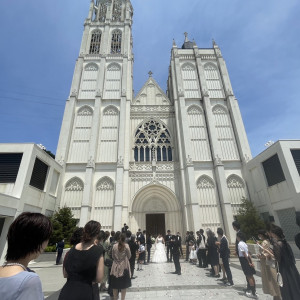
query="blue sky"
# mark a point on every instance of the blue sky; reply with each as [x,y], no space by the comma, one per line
[259,41]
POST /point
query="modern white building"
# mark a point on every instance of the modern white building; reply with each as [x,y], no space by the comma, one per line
[274,184]
[29,181]
[157,161]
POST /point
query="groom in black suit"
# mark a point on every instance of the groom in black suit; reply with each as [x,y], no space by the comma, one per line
[175,250]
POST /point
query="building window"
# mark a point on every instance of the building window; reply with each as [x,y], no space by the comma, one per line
[39,174]
[273,170]
[102,11]
[296,157]
[116,41]
[152,142]
[9,166]
[95,42]
[117,11]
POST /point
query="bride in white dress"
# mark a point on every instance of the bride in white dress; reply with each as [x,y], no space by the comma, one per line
[159,253]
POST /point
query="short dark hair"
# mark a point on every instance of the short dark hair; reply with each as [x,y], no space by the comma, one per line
[144,231]
[220,231]
[128,233]
[76,236]
[101,236]
[117,236]
[91,230]
[106,235]
[168,230]
[112,233]
[201,231]
[26,235]
[242,236]
[236,224]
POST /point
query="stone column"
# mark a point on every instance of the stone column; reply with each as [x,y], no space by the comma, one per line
[88,192]
[182,118]
[225,205]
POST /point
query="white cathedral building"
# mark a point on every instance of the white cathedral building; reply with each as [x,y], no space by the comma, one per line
[156,161]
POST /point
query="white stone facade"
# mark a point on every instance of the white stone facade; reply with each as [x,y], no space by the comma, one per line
[19,195]
[277,199]
[181,154]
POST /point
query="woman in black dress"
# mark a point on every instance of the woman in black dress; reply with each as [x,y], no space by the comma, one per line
[83,265]
[287,265]
[213,252]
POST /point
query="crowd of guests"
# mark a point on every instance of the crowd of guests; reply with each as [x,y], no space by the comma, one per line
[277,265]
[108,259]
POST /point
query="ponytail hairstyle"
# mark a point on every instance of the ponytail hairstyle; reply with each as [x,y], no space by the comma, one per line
[121,245]
[91,230]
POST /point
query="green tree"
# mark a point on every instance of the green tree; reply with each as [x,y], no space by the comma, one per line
[249,219]
[64,224]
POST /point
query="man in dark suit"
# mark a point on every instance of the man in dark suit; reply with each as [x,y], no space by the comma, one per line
[187,249]
[201,254]
[175,250]
[149,246]
[60,249]
[125,228]
[167,241]
[179,238]
[224,254]
[141,237]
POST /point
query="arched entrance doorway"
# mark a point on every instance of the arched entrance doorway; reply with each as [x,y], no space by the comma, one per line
[156,209]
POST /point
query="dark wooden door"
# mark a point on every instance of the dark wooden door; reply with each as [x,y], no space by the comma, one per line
[155,224]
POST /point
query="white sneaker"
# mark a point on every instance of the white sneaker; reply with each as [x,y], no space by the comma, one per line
[249,294]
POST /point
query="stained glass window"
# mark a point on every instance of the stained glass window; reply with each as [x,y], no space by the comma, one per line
[153,142]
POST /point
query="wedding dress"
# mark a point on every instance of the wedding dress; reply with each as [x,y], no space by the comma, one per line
[159,253]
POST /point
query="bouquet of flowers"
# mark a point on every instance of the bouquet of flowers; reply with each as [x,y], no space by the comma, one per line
[152,240]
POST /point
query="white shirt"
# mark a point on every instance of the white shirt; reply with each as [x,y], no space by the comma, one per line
[242,247]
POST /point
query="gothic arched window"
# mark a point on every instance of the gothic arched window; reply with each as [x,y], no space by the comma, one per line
[153,142]
[116,41]
[95,42]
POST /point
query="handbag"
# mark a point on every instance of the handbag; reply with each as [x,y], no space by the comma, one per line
[279,276]
[108,262]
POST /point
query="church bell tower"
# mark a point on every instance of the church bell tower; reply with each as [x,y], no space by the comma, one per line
[92,140]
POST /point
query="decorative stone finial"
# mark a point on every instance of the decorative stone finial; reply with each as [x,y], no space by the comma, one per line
[174,43]
[186,37]
[150,73]
[214,42]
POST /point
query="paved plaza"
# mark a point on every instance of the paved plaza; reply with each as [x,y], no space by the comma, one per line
[156,281]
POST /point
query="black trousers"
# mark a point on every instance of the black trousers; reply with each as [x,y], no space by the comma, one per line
[187,252]
[132,265]
[202,258]
[149,252]
[227,269]
[59,254]
[169,252]
[176,262]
